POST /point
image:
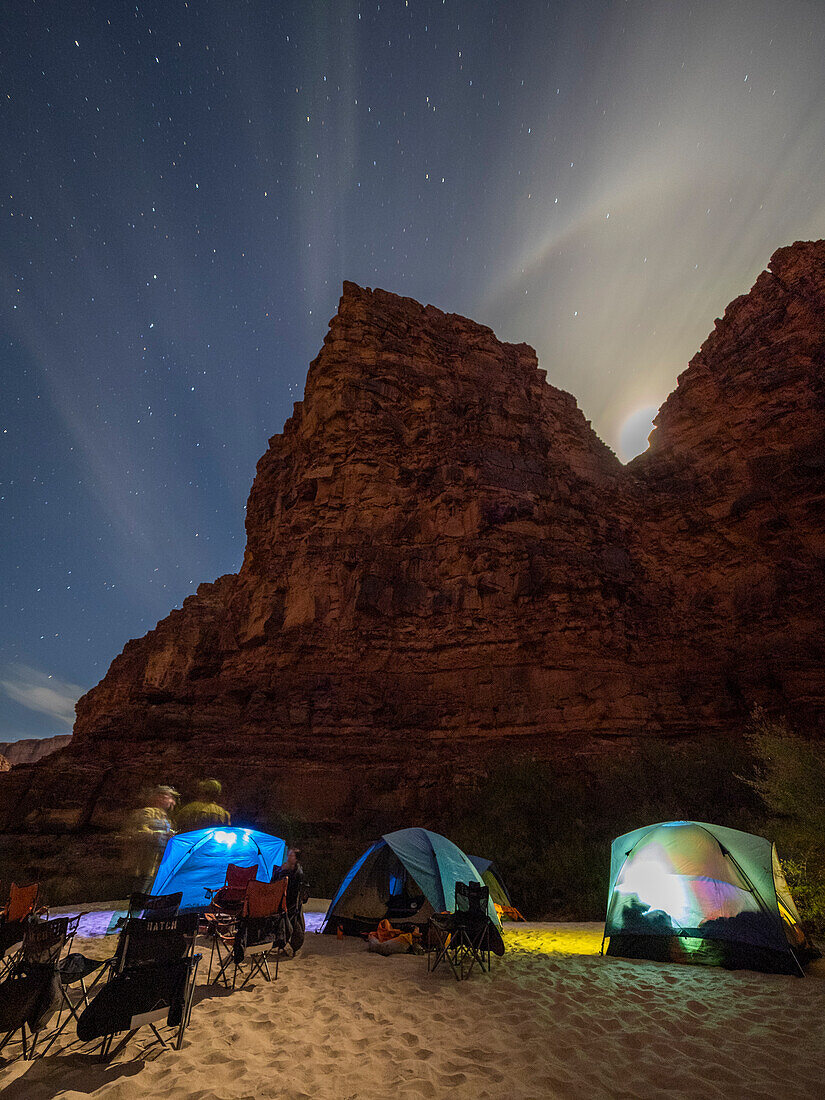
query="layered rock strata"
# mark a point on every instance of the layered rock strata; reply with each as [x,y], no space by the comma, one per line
[445,567]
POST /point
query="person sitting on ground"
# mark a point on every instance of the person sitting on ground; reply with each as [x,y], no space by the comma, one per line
[293,872]
[204,811]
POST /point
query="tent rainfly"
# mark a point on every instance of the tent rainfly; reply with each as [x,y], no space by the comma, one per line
[197,860]
[405,876]
[491,876]
[692,892]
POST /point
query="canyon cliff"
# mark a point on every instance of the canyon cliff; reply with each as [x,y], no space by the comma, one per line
[28,750]
[446,568]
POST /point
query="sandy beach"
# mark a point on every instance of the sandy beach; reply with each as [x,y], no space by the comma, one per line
[554,1019]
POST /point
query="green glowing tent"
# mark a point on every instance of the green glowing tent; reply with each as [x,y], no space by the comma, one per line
[691,892]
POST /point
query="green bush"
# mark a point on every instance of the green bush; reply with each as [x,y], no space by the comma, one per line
[549,830]
[789,772]
[807,883]
[788,775]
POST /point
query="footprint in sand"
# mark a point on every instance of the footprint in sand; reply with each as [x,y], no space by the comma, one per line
[476,1054]
[218,1058]
[453,1080]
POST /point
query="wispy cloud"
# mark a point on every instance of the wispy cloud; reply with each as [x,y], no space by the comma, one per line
[41,692]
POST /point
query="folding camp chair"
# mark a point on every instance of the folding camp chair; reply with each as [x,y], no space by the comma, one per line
[76,967]
[156,906]
[260,930]
[33,992]
[440,945]
[229,898]
[465,937]
[19,910]
[154,985]
[473,926]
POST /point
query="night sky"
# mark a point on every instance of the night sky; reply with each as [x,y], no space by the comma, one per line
[186,185]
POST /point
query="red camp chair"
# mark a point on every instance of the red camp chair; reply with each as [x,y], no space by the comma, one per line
[19,910]
[258,931]
[230,898]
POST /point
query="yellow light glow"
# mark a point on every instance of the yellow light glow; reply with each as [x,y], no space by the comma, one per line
[561,941]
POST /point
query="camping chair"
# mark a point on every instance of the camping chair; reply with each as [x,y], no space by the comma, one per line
[473,926]
[77,967]
[465,937]
[156,906]
[31,994]
[261,929]
[440,945]
[19,910]
[154,985]
[229,899]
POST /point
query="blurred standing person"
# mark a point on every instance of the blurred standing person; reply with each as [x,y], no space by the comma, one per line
[203,812]
[151,828]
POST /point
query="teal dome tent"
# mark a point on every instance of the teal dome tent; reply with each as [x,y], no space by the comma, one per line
[404,877]
[193,862]
[692,892]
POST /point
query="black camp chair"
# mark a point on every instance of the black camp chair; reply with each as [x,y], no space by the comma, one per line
[465,937]
[156,906]
[33,992]
[154,984]
[77,967]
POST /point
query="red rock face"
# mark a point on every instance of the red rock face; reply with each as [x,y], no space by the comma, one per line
[445,565]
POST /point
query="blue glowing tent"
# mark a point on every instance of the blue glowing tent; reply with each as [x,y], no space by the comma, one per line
[197,860]
[405,877]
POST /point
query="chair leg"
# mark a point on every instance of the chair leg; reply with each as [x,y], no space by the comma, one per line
[188,1001]
[106,1050]
[101,971]
[223,961]
[158,1035]
[211,956]
[60,1028]
[181,1028]
[447,949]
[34,1037]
